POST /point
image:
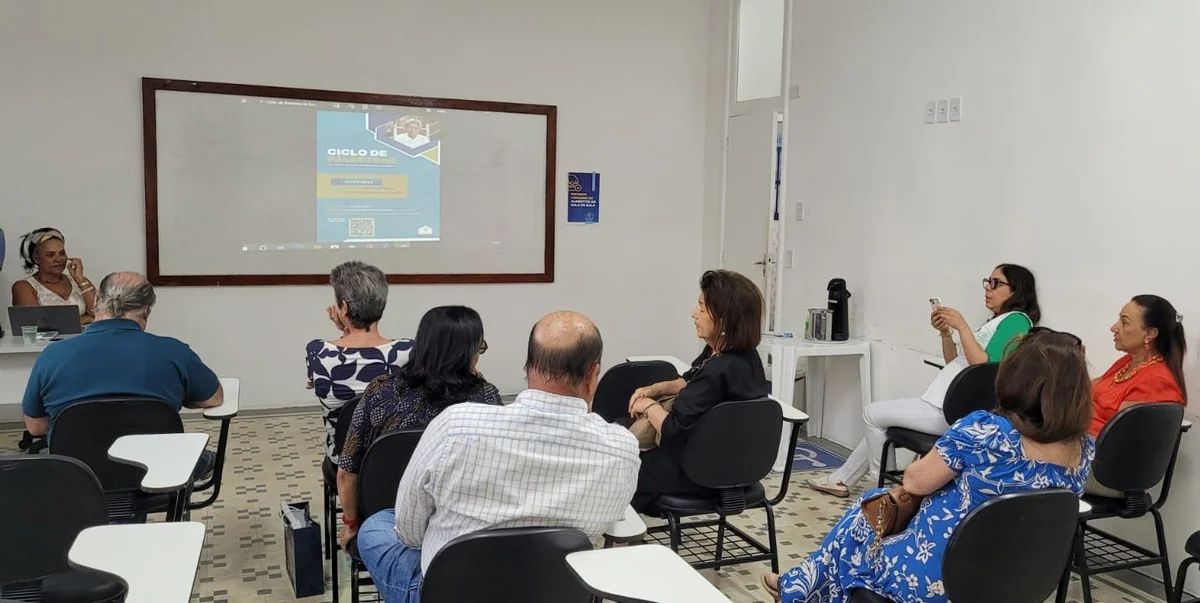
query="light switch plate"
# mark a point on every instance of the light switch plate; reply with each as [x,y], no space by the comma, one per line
[943,108]
[956,109]
[930,112]
[799,212]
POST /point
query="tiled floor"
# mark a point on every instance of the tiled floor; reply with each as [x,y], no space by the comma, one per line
[274,458]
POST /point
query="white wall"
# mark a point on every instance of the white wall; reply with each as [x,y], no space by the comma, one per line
[629,79]
[1076,156]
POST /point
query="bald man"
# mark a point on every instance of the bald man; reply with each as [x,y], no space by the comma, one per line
[115,355]
[544,460]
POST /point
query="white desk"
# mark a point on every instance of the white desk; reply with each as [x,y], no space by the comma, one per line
[17,345]
[158,560]
[785,352]
[169,458]
[647,572]
[232,386]
[628,528]
[1084,508]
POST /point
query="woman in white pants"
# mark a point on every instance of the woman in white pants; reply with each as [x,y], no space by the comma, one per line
[1010,293]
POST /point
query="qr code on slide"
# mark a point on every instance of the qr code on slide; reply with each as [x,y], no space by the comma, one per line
[362,227]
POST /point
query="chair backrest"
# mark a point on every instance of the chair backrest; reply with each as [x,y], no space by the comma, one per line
[45,501]
[734,444]
[1012,548]
[1136,446]
[512,564]
[382,467]
[619,382]
[86,430]
[972,389]
[341,422]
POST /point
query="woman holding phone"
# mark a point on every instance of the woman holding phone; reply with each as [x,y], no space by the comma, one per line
[54,278]
[1010,294]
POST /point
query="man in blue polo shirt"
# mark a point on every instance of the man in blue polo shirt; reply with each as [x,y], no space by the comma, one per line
[115,355]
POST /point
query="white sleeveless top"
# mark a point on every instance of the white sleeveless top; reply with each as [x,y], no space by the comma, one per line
[47,297]
[936,394]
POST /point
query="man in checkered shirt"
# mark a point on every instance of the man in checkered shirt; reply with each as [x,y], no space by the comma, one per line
[544,460]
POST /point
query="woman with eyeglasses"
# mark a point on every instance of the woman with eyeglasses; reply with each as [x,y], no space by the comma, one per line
[54,278]
[1150,333]
[1010,294]
[441,371]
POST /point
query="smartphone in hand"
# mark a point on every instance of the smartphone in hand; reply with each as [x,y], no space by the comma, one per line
[935,302]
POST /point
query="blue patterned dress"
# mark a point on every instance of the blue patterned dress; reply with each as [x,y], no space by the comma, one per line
[986,452]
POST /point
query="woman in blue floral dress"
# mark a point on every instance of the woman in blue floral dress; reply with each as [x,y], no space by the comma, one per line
[1035,439]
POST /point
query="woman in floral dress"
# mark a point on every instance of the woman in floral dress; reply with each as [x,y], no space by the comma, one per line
[1035,439]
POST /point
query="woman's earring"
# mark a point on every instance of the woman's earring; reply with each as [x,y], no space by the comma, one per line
[1147,346]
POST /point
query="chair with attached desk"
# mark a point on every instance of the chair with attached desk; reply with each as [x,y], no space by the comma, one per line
[619,382]
[45,502]
[1129,459]
[1192,547]
[512,564]
[382,468]
[731,449]
[86,430]
[224,413]
[1010,549]
[341,426]
[972,389]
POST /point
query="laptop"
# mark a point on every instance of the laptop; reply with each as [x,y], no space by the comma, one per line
[64,319]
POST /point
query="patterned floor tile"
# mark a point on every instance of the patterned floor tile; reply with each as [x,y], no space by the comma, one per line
[278,458]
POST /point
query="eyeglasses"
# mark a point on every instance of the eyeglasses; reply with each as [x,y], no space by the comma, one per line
[1072,336]
[483,347]
[993,283]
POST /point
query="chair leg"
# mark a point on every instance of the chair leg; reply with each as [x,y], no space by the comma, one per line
[354,585]
[772,541]
[1081,563]
[1162,551]
[1180,577]
[720,539]
[333,570]
[883,463]
[673,530]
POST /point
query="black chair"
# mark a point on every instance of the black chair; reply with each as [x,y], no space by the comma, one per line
[1136,450]
[86,430]
[1193,550]
[341,426]
[514,564]
[619,382]
[45,502]
[382,468]
[974,388]
[730,450]
[1010,549]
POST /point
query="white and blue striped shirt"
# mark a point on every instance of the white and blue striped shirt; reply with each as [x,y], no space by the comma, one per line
[543,460]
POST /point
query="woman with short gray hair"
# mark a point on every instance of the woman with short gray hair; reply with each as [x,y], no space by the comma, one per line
[339,370]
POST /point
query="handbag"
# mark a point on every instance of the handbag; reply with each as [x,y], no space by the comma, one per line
[889,512]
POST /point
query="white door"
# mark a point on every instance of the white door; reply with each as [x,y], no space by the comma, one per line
[749,200]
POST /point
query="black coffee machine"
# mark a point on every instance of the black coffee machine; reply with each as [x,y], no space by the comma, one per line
[839,304]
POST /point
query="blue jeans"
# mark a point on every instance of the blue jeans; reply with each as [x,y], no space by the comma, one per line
[395,568]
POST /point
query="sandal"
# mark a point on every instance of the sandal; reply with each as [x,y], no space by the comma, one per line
[770,582]
[822,485]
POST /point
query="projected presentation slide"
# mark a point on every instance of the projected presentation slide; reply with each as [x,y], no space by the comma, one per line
[378,177]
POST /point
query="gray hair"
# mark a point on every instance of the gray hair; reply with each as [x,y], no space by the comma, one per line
[124,293]
[363,288]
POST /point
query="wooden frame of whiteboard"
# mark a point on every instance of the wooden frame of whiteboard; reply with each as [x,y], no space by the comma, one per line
[150,87]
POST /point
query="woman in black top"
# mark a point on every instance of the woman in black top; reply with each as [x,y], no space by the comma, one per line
[729,320]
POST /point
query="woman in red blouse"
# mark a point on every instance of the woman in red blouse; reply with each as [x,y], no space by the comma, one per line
[1150,332]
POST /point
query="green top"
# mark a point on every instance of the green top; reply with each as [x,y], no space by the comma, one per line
[1004,340]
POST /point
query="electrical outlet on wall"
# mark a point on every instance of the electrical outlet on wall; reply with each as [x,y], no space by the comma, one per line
[956,109]
[799,212]
[943,110]
[930,112]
